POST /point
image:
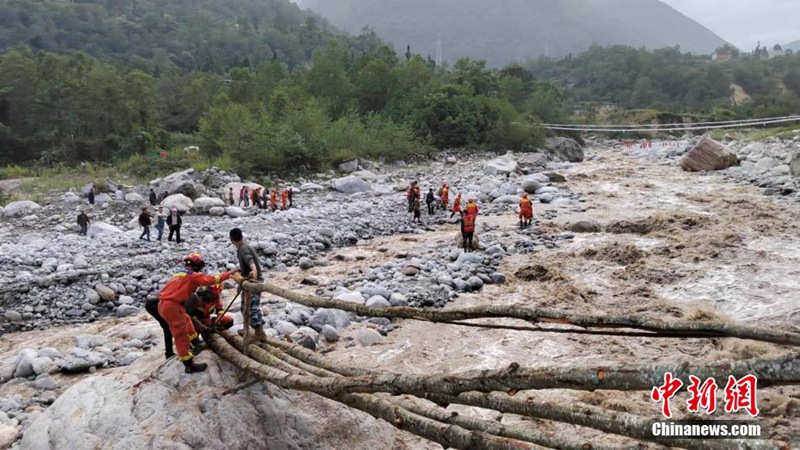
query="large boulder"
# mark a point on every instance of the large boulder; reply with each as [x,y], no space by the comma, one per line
[507,199]
[310,187]
[531,186]
[177,183]
[348,166]
[350,185]
[708,154]
[178,201]
[500,166]
[71,197]
[565,149]
[174,410]
[133,197]
[235,211]
[204,204]
[102,198]
[101,228]
[20,208]
[794,165]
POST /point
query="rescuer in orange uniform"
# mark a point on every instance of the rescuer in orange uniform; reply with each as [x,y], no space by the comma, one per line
[445,196]
[171,308]
[472,208]
[456,206]
[467,230]
[525,211]
[273,200]
[284,199]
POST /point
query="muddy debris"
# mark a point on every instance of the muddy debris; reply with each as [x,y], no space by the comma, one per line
[622,254]
[540,273]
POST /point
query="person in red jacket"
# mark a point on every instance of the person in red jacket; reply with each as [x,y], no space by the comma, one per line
[467,230]
[171,300]
[456,206]
[445,196]
[284,199]
[471,207]
[525,211]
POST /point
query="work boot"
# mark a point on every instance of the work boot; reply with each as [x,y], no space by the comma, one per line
[197,346]
[169,355]
[192,367]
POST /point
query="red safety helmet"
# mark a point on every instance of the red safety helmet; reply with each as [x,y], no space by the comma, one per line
[194,260]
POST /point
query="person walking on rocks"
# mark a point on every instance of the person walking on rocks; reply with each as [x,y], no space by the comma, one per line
[264,198]
[171,309]
[230,196]
[174,222]
[445,196]
[467,230]
[246,197]
[525,211]
[456,206]
[153,198]
[256,198]
[417,207]
[242,195]
[83,222]
[144,222]
[413,194]
[291,195]
[429,200]
[161,220]
[250,269]
[91,196]
[284,200]
[273,200]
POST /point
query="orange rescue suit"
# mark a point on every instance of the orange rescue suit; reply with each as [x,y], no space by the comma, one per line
[170,306]
[525,208]
[472,208]
[457,204]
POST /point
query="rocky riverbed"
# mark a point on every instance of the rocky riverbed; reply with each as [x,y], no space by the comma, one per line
[624,231]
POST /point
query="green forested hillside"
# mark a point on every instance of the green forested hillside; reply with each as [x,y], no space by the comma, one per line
[669,80]
[507,31]
[165,35]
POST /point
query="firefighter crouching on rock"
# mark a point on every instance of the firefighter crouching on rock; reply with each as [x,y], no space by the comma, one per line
[171,308]
[525,211]
[206,306]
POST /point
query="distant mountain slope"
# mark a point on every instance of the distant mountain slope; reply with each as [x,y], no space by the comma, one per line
[504,31]
[794,46]
[187,34]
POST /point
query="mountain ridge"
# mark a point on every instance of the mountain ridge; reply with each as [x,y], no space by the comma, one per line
[468,28]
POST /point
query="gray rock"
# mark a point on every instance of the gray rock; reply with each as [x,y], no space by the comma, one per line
[306,263]
[372,289]
[794,165]
[530,186]
[546,198]
[46,382]
[353,297]
[133,197]
[474,284]
[23,367]
[555,177]
[12,316]
[410,270]
[565,149]
[81,360]
[102,198]
[20,208]
[496,249]
[446,281]
[350,185]
[397,300]
[506,200]
[378,302]
[130,358]
[180,202]
[126,300]
[348,166]
[336,318]
[708,154]
[216,211]
[309,187]
[204,204]
[285,328]
[50,353]
[464,258]
[500,166]
[90,341]
[306,337]
[106,293]
[101,228]
[235,211]
[8,435]
[368,337]
[80,263]
[127,311]
[498,278]
[178,183]
[43,364]
[329,333]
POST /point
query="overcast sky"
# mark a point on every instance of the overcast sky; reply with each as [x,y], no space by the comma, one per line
[745,22]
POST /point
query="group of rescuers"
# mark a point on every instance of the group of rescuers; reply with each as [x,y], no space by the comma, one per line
[468,214]
[191,294]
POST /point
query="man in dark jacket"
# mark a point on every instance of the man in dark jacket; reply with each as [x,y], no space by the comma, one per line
[91,196]
[174,223]
[153,198]
[83,222]
[429,200]
[144,222]
[291,195]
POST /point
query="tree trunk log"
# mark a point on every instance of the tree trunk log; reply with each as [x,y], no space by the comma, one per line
[539,315]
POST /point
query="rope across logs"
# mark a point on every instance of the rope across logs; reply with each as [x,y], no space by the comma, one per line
[658,328]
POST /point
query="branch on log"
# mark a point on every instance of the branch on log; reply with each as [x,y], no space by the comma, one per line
[537,315]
